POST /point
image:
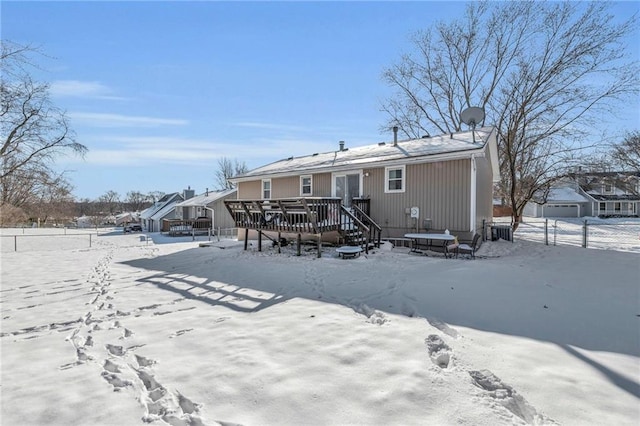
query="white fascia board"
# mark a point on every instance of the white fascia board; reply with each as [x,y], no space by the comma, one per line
[459,155]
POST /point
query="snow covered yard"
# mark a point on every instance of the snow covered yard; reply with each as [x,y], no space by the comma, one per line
[166,332]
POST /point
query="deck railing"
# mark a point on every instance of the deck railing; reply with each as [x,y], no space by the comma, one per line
[296,215]
[186,226]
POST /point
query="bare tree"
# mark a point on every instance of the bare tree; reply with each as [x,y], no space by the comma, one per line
[34,131]
[228,169]
[154,196]
[627,152]
[136,200]
[542,72]
[110,202]
[52,201]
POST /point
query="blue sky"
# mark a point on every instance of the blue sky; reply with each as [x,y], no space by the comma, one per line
[158,91]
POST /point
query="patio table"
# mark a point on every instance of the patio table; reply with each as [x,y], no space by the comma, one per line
[431,241]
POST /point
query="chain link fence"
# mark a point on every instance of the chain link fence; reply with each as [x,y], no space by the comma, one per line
[45,239]
[605,234]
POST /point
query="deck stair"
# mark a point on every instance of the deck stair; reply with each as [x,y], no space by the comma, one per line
[358,229]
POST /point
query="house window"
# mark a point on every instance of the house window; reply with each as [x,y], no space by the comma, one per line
[603,207]
[305,185]
[266,188]
[616,206]
[607,188]
[395,178]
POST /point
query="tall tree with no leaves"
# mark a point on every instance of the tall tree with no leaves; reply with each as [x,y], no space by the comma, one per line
[34,131]
[627,152]
[228,169]
[542,71]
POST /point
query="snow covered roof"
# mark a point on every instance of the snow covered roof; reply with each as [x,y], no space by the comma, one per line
[205,199]
[165,210]
[461,143]
[565,195]
[158,205]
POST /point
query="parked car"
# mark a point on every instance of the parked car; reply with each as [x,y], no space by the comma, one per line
[133,228]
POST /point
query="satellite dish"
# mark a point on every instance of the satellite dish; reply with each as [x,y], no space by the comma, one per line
[472,116]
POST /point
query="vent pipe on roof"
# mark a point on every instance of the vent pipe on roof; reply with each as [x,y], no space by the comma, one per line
[341,145]
[207,192]
[395,135]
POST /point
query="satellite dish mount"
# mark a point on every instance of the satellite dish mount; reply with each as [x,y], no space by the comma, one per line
[472,116]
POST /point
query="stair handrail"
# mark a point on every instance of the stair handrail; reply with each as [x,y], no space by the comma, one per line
[371,222]
[360,224]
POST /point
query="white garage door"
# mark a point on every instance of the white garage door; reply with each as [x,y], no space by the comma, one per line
[561,210]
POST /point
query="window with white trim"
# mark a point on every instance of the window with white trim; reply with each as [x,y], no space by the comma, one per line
[306,185]
[607,188]
[603,207]
[266,188]
[394,179]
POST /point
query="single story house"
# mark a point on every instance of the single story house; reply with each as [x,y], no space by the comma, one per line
[151,218]
[437,182]
[204,211]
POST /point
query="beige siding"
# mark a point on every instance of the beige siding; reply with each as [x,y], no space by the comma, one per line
[322,185]
[250,190]
[287,187]
[222,217]
[440,190]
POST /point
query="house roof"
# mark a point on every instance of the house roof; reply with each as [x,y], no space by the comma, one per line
[158,205]
[205,199]
[565,195]
[435,148]
[165,210]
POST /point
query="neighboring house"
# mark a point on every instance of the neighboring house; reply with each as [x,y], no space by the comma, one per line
[151,218]
[603,194]
[209,205]
[562,201]
[125,218]
[440,182]
[611,193]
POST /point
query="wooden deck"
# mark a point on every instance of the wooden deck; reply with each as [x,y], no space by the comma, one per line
[311,216]
[176,227]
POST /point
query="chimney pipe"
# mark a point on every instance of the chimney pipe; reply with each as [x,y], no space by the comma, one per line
[341,145]
[395,135]
[207,192]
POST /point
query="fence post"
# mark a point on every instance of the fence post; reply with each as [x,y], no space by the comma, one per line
[15,242]
[89,240]
[585,232]
[555,231]
[546,232]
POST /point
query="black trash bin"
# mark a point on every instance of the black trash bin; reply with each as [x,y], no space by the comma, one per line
[501,232]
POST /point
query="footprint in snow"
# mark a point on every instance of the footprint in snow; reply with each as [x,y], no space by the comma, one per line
[439,351]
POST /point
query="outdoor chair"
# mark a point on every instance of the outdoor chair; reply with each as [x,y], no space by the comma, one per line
[469,249]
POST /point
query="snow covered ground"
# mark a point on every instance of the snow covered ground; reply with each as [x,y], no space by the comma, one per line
[129,331]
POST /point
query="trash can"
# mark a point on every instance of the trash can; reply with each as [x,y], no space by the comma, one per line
[427,224]
[501,232]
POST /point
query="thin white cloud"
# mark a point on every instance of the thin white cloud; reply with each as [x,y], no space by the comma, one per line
[270,126]
[82,89]
[120,120]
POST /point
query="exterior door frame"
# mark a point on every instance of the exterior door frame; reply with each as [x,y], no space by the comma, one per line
[335,175]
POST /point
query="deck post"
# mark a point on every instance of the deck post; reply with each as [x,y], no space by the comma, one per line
[299,240]
[319,245]
[279,246]
[246,237]
[259,240]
